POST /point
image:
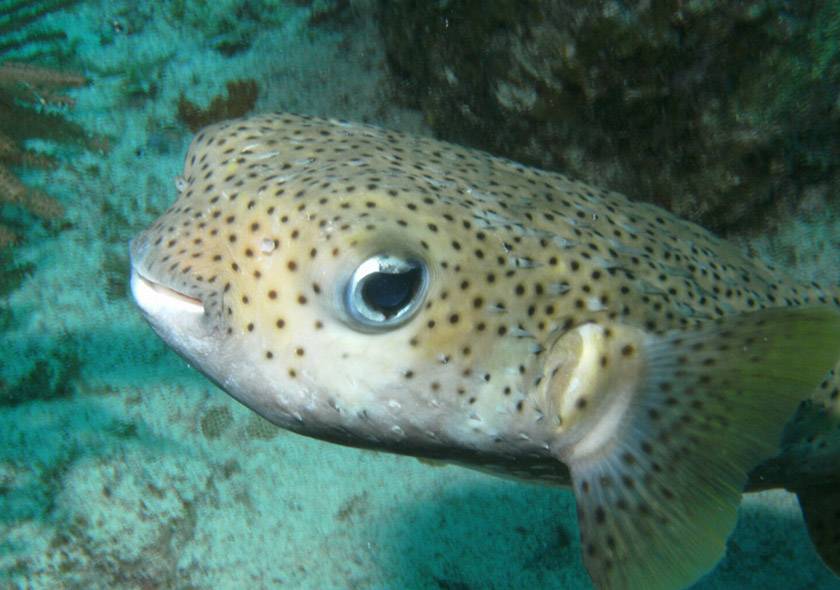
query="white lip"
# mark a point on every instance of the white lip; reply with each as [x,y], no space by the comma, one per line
[156,299]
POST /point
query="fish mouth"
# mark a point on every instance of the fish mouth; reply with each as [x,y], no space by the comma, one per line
[156,298]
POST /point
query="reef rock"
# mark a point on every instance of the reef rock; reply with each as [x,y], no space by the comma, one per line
[716,110]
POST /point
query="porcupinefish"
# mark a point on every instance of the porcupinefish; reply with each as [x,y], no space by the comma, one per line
[400,293]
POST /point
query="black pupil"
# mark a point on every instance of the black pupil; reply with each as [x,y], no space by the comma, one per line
[390,293]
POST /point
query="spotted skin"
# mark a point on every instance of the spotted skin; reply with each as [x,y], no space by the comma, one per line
[275,212]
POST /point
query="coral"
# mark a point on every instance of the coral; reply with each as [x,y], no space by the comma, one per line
[53,376]
[12,273]
[216,421]
[324,11]
[260,428]
[30,104]
[21,36]
[241,98]
[22,89]
[714,109]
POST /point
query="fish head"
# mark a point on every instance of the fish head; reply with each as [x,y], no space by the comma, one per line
[327,283]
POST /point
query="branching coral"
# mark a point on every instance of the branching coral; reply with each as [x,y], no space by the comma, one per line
[29,95]
[20,37]
[22,88]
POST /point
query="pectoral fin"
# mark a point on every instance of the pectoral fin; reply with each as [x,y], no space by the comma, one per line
[658,476]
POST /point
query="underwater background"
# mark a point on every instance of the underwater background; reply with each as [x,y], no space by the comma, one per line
[121,467]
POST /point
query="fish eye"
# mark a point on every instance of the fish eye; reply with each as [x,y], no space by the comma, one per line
[386,291]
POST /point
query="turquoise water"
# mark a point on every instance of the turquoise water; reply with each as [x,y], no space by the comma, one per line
[121,467]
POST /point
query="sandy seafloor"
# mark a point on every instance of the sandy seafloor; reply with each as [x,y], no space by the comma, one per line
[146,476]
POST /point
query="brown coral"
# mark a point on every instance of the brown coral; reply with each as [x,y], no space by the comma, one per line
[241,98]
[24,90]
